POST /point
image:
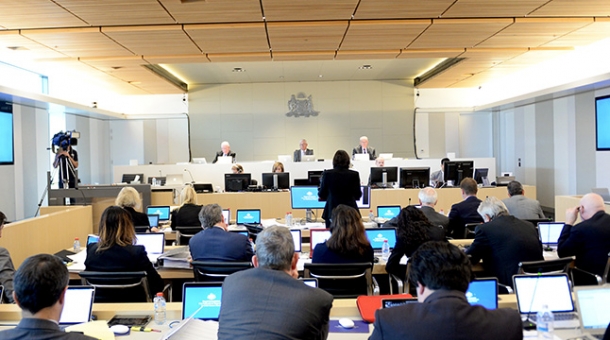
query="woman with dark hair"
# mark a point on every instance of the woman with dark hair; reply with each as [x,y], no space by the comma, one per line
[340,185]
[115,251]
[413,230]
[348,242]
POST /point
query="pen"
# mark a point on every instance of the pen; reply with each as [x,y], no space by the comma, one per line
[144,329]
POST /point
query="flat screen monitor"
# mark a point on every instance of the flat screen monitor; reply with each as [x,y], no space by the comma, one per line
[282,181]
[480,175]
[313,176]
[377,174]
[305,197]
[161,210]
[365,200]
[456,171]
[251,216]
[377,235]
[414,178]
[237,182]
[7,150]
[132,178]
[602,123]
[388,211]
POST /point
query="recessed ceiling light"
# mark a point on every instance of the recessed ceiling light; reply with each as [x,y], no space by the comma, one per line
[320,76]
[238,69]
[17,48]
[365,67]
[134,82]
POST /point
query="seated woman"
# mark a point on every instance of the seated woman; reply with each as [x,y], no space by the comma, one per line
[115,251]
[129,199]
[348,242]
[277,167]
[187,215]
[413,230]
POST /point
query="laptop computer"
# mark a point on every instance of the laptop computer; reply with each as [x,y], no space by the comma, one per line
[154,243]
[483,292]
[241,232]
[201,300]
[549,234]
[399,301]
[226,215]
[161,210]
[250,216]
[308,158]
[317,236]
[174,180]
[296,237]
[153,220]
[92,239]
[362,157]
[200,160]
[388,211]
[310,282]
[603,192]
[78,305]
[553,290]
[224,160]
[386,156]
[592,302]
[377,235]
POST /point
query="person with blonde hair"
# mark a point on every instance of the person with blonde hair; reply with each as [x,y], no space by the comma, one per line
[277,167]
[187,215]
[129,199]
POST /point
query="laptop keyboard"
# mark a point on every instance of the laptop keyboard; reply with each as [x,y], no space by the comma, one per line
[558,316]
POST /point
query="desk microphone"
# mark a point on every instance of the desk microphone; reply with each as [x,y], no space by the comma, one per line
[409,200]
[192,179]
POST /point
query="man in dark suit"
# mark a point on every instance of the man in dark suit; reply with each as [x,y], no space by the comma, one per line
[340,185]
[503,241]
[589,240]
[215,243]
[268,302]
[225,151]
[40,288]
[442,273]
[465,211]
[364,148]
[302,151]
[427,199]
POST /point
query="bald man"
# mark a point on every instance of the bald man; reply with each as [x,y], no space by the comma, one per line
[589,240]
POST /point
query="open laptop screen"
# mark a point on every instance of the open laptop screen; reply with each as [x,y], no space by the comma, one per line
[593,305]
[533,291]
[161,210]
[204,295]
[153,220]
[388,211]
[154,243]
[248,216]
[377,235]
[92,239]
[483,292]
[226,215]
[550,232]
[317,236]
[78,305]
[296,237]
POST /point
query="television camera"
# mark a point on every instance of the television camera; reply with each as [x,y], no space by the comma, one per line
[62,140]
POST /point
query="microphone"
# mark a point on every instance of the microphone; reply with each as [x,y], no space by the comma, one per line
[192,179]
[409,200]
[160,173]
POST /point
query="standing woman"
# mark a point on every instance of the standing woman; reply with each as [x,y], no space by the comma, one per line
[116,250]
[187,215]
[340,185]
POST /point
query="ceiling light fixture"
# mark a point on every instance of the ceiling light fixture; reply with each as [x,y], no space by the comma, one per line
[238,69]
[365,67]
[436,70]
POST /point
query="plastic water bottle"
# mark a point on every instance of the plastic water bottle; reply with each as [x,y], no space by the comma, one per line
[76,245]
[160,314]
[154,182]
[385,250]
[544,323]
[288,219]
[371,216]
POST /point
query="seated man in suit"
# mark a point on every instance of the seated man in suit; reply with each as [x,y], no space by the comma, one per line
[215,243]
[268,302]
[302,151]
[40,288]
[437,178]
[521,206]
[442,272]
[225,151]
[589,240]
[503,241]
[465,211]
[364,148]
[427,199]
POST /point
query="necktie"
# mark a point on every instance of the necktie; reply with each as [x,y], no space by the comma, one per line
[364,150]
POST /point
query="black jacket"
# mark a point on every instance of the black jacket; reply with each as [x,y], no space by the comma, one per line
[186,216]
[461,214]
[339,186]
[139,219]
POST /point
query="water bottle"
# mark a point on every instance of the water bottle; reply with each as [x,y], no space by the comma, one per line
[154,182]
[76,245]
[288,219]
[159,309]
[544,323]
[385,250]
[371,216]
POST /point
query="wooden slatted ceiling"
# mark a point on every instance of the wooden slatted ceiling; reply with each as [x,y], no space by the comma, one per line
[229,38]
[372,35]
[569,8]
[492,8]
[77,42]
[304,10]
[153,40]
[401,9]
[455,33]
[598,30]
[19,14]
[430,53]
[306,36]
[365,55]
[303,56]
[238,57]
[12,39]
[176,59]
[117,12]
[214,11]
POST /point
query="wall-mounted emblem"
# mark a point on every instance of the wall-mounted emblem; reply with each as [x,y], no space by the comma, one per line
[300,105]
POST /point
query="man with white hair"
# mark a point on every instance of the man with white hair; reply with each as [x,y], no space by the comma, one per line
[427,199]
[589,240]
[364,148]
[225,151]
[503,241]
[302,151]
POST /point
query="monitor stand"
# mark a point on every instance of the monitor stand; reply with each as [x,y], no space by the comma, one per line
[308,215]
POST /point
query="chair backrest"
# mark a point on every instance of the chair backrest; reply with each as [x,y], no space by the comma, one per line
[561,265]
[184,233]
[118,286]
[344,280]
[469,230]
[216,271]
[141,229]
[606,277]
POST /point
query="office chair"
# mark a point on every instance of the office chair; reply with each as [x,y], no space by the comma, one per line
[118,286]
[561,265]
[344,280]
[403,286]
[469,230]
[216,271]
[185,233]
[585,278]
[142,229]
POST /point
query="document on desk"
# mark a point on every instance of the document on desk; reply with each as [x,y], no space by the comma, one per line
[96,329]
[78,261]
[194,329]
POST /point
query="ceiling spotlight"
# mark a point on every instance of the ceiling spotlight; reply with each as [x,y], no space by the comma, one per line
[320,76]
[238,69]
[365,67]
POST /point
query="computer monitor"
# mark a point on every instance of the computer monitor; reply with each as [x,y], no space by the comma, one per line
[456,171]
[365,200]
[276,180]
[414,178]
[388,211]
[313,176]
[132,178]
[237,182]
[384,175]
[480,175]
[305,197]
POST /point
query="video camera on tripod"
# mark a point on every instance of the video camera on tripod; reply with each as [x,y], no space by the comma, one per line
[62,140]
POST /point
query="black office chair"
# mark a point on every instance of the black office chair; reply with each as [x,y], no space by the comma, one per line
[118,286]
[535,221]
[344,280]
[403,286]
[215,271]
[469,230]
[585,278]
[142,229]
[561,265]
[185,233]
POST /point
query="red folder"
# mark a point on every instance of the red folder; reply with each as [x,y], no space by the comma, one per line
[368,305]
